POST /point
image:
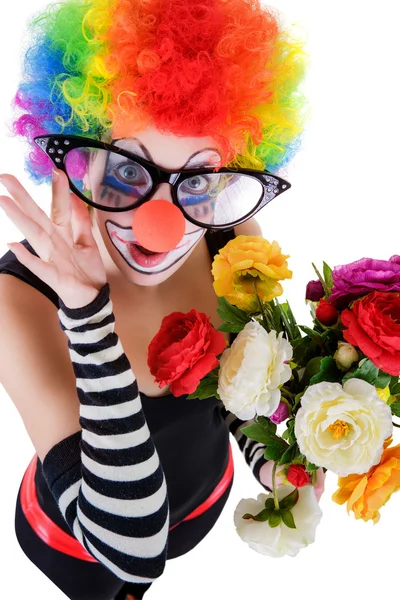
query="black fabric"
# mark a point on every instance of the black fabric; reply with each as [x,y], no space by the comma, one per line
[82,580]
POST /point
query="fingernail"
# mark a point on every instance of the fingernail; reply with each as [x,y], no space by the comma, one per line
[56,175]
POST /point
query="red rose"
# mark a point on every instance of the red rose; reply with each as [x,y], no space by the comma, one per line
[374,326]
[326,313]
[298,476]
[184,351]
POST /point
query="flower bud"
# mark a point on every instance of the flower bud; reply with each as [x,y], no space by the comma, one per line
[345,355]
[314,290]
[298,476]
[326,313]
[281,413]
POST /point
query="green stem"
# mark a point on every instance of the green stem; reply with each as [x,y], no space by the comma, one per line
[285,400]
[267,327]
[322,280]
[276,501]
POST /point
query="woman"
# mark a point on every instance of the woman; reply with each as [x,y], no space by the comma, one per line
[180,109]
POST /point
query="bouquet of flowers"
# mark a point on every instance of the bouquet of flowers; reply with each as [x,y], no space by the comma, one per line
[334,387]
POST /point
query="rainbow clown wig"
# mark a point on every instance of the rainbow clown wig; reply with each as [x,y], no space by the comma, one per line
[227,69]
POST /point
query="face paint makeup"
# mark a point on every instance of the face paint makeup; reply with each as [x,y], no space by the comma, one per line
[128,247]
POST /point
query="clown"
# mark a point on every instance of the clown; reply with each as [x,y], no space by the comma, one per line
[168,121]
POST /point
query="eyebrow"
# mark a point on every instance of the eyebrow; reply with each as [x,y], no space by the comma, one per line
[150,158]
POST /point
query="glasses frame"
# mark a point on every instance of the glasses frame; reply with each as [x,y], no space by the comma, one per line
[57,146]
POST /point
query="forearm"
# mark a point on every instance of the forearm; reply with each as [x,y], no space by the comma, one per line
[114,498]
[252,451]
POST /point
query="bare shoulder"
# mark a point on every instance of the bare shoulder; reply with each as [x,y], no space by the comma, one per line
[35,369]
[250,227]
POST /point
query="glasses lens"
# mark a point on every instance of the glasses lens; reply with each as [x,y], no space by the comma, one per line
[219,198]
[107,179]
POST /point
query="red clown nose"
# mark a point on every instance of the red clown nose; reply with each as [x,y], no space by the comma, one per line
[158,225]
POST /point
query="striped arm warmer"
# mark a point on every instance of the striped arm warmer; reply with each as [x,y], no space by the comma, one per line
[113,496]
[252,451]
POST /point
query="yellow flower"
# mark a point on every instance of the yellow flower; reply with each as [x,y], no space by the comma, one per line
[366,494]
[383,393]
[245,263]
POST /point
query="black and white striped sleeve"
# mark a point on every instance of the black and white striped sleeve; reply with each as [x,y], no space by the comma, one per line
[113,495]
[252,451]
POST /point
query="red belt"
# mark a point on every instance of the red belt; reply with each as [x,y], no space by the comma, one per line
[55,537]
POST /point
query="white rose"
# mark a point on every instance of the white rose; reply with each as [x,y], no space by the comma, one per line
[281,540]
[343,428]
[251,371]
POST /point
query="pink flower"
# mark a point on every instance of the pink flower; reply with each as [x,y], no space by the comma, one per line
[363,276]
[281,413]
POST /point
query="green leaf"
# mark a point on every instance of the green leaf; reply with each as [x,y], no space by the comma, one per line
[257,432]
[261,516]
[290,500]
[312,368]
[382,380]
[270,504]
[207,388]
[314,335]
[310,467]
[394,386]
[366,371]
[328,276]
[275,448]
[287,325]
[274,519]
[231,327]
[328,371]
[286,434]
[232,314]
[267,424]
[288,519]
[395,407]
[291,317]
[289,455]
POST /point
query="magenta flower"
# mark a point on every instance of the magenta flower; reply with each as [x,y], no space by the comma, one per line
[362,277]
[281,413]
[314,290]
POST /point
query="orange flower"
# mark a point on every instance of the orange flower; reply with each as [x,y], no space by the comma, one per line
[248,266]
[366,494]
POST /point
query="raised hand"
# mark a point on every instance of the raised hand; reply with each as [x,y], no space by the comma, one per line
[70,261]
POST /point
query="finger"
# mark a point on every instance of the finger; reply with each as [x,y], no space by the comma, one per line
[25,202]
[81,223]
[60,211]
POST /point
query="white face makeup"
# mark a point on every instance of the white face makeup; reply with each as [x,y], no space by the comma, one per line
[143,260]
[169,152]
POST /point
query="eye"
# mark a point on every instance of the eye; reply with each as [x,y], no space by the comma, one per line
[197,184]
[128,173]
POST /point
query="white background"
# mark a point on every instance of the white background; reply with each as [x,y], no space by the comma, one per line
[344,204]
